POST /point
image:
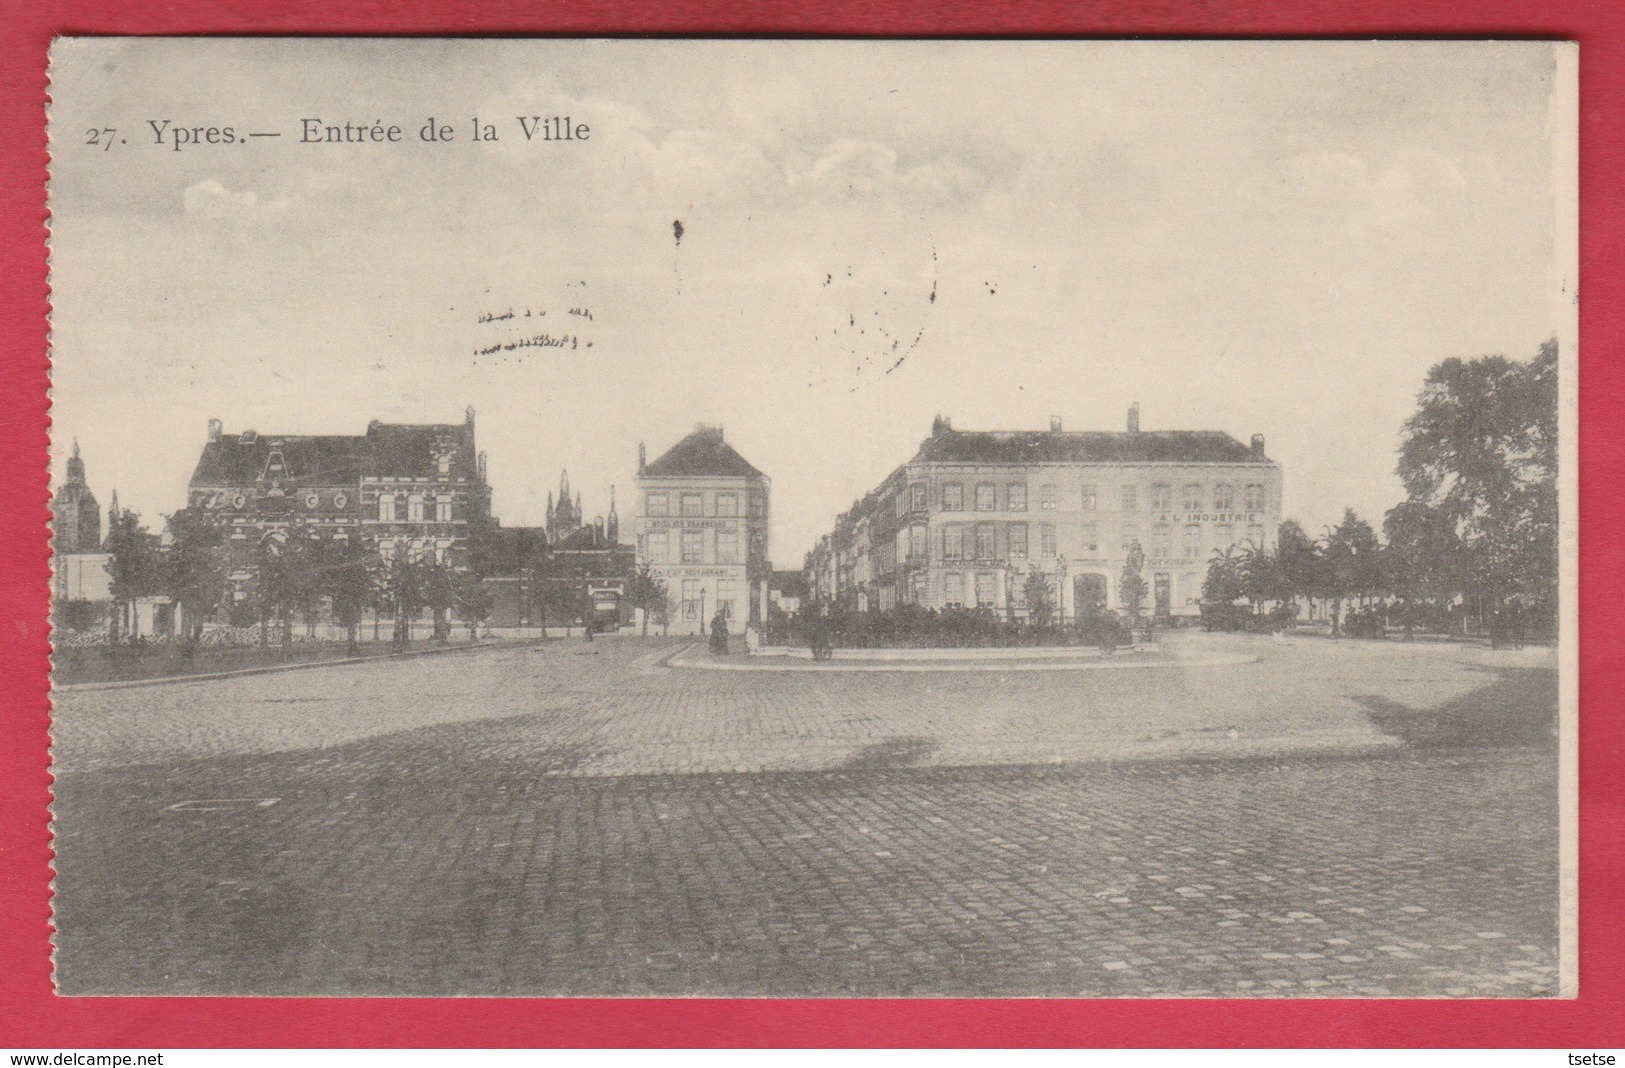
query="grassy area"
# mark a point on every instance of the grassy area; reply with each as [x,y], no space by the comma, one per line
[123,663]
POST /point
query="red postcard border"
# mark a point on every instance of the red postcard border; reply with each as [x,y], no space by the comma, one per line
[31,1016]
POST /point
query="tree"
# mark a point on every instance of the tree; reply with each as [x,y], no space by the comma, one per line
[1481,450]
[345,578]
[1297,561]
[194,569]
[133,567]
[278,586]
[398,582]
[1353,563]
[1131,587]
[473,601]
[1224,584]
[1040,597]
[1424,558]
[647,591]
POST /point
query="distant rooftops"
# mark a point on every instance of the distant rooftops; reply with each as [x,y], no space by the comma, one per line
[385,450]
[947,445]
[702,454]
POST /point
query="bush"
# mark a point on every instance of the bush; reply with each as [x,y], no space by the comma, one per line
[913,627]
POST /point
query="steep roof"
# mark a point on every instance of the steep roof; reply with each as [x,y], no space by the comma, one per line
[385,450]
[1090,446]
[703,454]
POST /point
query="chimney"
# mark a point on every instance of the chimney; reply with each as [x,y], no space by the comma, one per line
[1054,424]
[214,430]
[1134,418]
[941,425]
[643,458]
[1258,446]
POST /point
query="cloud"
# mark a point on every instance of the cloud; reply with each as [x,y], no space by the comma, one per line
[210,199]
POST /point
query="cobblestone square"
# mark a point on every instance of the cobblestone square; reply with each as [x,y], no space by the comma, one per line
[1320,819]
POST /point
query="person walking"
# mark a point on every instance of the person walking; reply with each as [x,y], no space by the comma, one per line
[719,633]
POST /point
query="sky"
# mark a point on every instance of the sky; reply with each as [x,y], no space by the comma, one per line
[817,245]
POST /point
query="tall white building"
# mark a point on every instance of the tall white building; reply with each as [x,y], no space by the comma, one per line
[701,524]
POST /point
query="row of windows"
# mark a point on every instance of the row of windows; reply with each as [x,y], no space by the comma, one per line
[983,587]
[659,547]
[691,604]
[984,497]
[411,509]
[691,504]
[980,541]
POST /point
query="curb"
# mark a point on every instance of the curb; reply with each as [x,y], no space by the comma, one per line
[1218,660]
[270,669]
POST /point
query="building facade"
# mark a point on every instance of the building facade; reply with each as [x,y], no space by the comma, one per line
[413,489]
[700,524]
[568,573]
[965,521]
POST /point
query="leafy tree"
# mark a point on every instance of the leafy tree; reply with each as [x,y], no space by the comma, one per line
[473,601]
[399,587]
[1353,563]
[1297,561]
[1224,584]
[133,568]
[194,569]
[1481,450]
[346,580]
[279,586]
[1425,559]
[1040,597]
[648,591]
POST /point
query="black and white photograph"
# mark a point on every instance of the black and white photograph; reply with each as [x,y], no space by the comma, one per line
[796,518]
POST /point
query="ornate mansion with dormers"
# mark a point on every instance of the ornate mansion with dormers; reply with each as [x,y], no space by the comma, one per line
[964,521]
[418,489]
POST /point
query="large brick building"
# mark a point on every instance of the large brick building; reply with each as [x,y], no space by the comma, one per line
[415,489]
[701,525]
[964,521]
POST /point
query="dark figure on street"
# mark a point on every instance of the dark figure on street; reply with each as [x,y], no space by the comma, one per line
[719,633]
[1108,633]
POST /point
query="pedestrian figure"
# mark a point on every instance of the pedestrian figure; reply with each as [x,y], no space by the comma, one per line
[1108,634]
[719,633]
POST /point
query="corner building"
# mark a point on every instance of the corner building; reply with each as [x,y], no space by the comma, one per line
[701,526]
[963,522]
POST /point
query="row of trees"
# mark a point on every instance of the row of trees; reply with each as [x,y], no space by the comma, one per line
[303,574]
[1477,532]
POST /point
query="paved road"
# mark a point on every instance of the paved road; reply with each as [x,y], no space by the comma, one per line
[1333,820]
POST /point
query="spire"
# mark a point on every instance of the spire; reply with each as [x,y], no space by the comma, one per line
[112,508]
[76,466]
[564,483]
[612,529]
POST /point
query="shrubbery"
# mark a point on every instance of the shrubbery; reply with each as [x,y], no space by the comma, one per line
[912,627]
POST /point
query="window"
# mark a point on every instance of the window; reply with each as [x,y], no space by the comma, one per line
[1255,497]
[985,587]
[728,505]
[1255,535]
[386,507]
[953,589]
[757,504]
[414,509]
[953,497]
[312,501]
[1193,497]
[1018,539]
[691,598]
[693,505]
[917,535]
[657,503]
[953,544]
[984,541]
[1162,542]
[442,509]
[725,598]
[1224,536]
[1046,539]
[1193,541]
[1190,588]
[1224,497]
[1046,497]
[657,548]
[1128,535]
[1131,497]
[727,546]
[693,546]
[1091,538]
[917,496]
[1090,497]
[1162,497]
[386,549]
[443,463]
[985,497]
[1016,494]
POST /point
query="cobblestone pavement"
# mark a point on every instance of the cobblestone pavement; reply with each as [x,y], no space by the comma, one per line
[1334,820]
